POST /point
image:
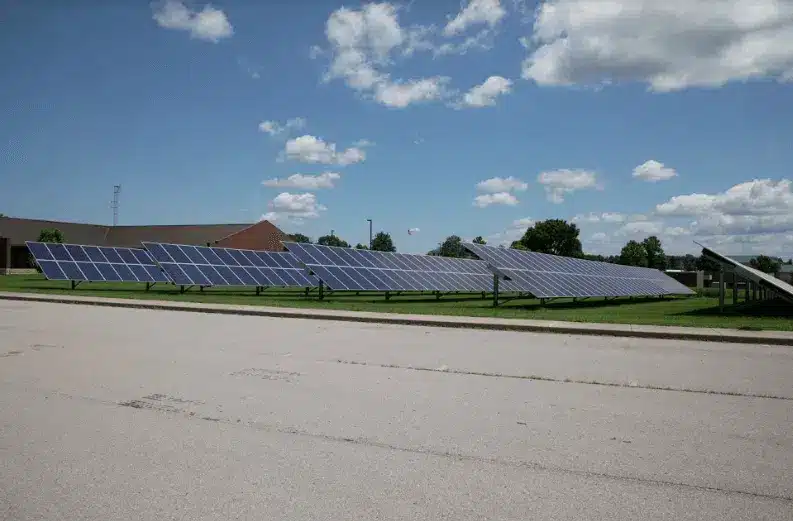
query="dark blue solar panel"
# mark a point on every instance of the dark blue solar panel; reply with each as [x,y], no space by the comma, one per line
[546,275]
[364,270]
[95,263]
[203,266]
[51,270]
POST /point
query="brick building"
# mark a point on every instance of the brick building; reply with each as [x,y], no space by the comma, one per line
[262,235]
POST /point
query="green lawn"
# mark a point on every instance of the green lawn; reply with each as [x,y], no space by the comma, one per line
[690,311]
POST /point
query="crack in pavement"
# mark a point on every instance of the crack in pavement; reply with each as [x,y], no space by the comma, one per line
[445,369]
[264,427]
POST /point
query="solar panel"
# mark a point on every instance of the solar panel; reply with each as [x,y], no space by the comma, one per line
[780,287]
[546,276]
[95,263]
[205,266]
[365,270]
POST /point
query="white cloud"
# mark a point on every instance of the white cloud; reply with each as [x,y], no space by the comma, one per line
[599,237]
[485,95]
[293,207]
[760,196]
[477,12]
[400,94]
[501,184]
[526,222]
[310,149]
[304,182]
[363,143]
[505,198]
[274,128]
[641,228]
[676,231]
[362,43]
[413,231]
[558,183]
[666,44]
[209,24]
[653,171]
[608,217]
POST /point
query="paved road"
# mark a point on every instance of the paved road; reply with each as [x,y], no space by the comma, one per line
[142,415]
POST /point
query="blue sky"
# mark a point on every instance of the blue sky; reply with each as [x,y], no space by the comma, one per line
[663,118]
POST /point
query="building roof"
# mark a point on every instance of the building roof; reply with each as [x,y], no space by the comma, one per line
[21,230]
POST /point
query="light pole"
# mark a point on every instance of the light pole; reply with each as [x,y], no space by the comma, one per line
[370,233]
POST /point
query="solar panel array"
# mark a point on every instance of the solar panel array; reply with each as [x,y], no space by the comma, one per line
[204,266]
[782,288]
[364,270]
[95,263]
[546,276]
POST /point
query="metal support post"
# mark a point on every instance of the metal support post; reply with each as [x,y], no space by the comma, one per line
[484,295]
[734,288]
[388,295]
[321,290]
[495,291]
[721,289]
[307,290]
[258,290]
[437,295]
[181,289]
[75,283]
[754,291]
[746,290]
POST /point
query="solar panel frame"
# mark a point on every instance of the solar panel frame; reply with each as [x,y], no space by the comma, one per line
[90,263]
[782,288]
[216,266]
[550,276]
[348,269]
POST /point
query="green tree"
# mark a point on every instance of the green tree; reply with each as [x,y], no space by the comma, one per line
[451,247]
[765,264]
[383,242]
[593,257]
[656,258]
[50,235]
[332,240]
[706,264]
[633,254]
[554,236]
[299,237]
[689,262]
[360,246]
[479,240]
[517,245]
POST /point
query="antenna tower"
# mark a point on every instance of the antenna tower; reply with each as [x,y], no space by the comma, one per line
[116,195]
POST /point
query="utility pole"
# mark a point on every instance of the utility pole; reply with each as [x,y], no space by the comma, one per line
[370,233]
[116,195]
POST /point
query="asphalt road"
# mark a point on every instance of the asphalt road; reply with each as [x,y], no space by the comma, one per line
[117,414]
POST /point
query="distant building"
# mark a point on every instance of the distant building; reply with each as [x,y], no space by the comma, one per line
[258,236]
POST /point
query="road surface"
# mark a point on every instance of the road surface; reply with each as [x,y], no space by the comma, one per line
[151,415]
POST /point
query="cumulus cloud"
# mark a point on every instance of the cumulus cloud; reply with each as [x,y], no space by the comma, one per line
[760,196]
[486,94]
[644,228]
[274,128]
[653,171]
[293,207]
[477,12]
[665,44]
[514,232]
[502,184]
[559,183]
[310,149]
[362,43]
[304,182]
[209,24]
[505,198]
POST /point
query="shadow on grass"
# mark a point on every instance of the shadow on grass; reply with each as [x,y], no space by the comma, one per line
[763,309]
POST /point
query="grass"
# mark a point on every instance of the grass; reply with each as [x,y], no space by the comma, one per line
[699,311]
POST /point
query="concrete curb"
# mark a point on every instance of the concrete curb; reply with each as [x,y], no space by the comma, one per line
[567,328]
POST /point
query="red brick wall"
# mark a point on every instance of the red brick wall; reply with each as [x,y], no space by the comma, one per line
[260,236]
